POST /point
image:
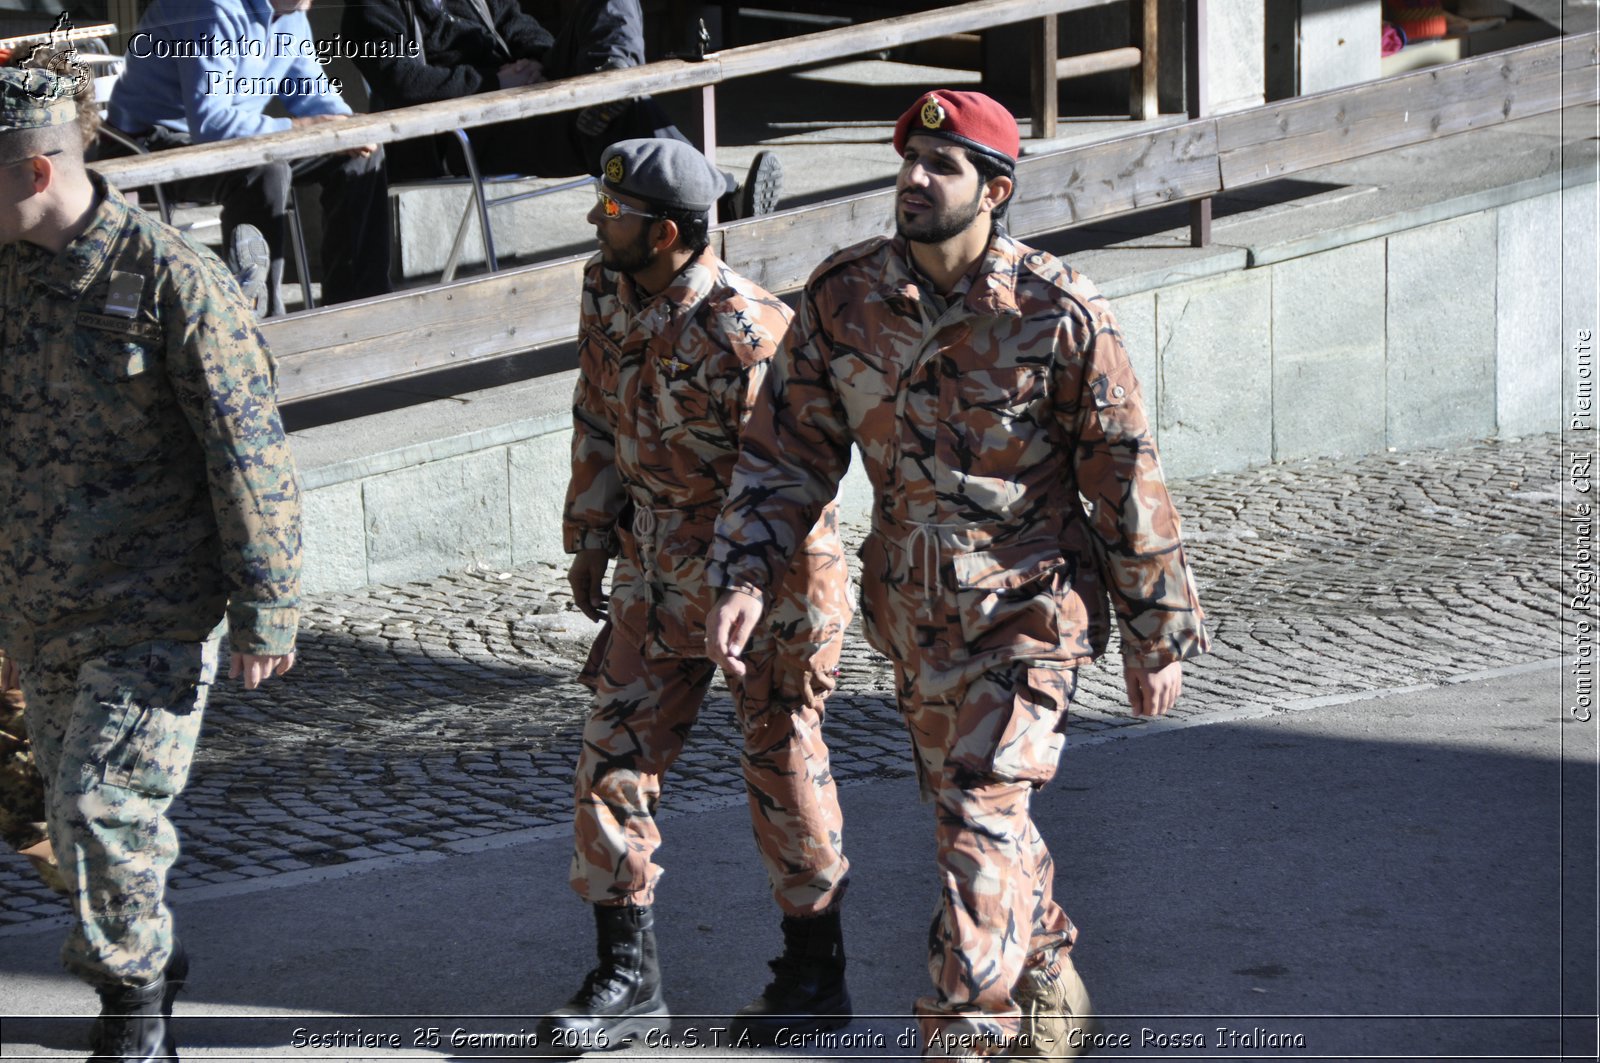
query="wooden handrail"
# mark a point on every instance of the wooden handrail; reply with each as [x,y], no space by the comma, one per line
[569,94]
[344,347]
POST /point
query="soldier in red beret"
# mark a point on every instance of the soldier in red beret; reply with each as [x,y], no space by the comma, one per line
[987,388]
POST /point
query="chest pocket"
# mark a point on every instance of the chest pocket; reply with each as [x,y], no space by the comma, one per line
[117,391]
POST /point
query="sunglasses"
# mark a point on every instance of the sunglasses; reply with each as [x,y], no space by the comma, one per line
[614,210]
[30,158]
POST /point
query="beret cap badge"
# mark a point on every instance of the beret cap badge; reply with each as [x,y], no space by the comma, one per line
[616,170]
[933,113]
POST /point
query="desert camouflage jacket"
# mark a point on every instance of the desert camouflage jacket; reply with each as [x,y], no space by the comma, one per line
[666,384]
[981,419]
[147,487]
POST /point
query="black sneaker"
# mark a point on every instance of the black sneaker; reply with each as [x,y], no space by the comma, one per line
[759,192]
[250,260]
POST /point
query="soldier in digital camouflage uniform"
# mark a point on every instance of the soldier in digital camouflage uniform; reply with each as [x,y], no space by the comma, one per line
[149,496]
[987,387]
[673,349]
[22,815]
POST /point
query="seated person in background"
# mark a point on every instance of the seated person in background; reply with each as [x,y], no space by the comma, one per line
[167,102]
[428,50]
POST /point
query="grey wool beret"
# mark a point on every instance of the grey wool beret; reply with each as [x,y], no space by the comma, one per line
[666,173]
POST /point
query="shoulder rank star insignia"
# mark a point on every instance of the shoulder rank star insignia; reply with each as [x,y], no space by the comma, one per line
[615,170]
[932,113]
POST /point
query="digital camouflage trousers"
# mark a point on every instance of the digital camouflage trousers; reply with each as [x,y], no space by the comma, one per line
[114,737]
[642,715]
[981,750]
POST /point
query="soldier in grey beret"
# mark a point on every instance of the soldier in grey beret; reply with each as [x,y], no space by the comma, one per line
[674,350]
[667,173]
[150,498]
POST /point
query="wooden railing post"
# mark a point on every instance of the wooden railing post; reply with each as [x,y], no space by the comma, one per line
[1145,103]
[1194,32]
[1045,84]
[708,131]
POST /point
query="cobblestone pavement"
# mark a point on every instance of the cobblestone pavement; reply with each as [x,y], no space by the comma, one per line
[445,709]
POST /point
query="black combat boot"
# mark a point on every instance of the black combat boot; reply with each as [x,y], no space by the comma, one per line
[807,993]
[133,1025]
[621,998]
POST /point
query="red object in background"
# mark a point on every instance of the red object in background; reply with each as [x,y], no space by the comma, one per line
[1419,20]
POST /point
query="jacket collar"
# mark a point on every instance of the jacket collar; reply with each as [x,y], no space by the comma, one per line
[993,287]
[665,313]
[70,272]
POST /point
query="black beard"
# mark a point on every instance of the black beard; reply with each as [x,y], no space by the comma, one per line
[938,226]
[630,259]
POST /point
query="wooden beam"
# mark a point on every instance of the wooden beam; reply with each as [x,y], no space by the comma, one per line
[1198,75]
[1114,177]
[1046,78]
[1293,135]
[334,349]
[1145,102]
[1112,59]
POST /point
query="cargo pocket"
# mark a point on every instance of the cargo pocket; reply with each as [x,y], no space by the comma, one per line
[878,616]
[680,597]
[1011,727]
[142,711]
[1010,598]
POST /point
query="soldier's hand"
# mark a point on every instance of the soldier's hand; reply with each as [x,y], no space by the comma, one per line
[256,667]
[1152,691]
[588,578]
[728,628]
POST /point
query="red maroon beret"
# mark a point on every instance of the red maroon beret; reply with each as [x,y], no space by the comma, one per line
[968,118]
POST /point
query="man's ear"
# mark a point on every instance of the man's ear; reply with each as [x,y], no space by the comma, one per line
[997,191]
[666,236]
[42,171]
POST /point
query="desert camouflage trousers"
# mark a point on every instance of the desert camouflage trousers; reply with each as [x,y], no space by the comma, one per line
[642,714]
[981,750]
[114,737]
[21,789]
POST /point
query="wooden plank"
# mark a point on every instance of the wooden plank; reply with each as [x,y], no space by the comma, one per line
[889,33]
[501,105]
[356,344]
[1329,127]
[779,251]
[1116,176]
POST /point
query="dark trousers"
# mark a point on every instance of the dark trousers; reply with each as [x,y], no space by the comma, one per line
[356,227]
[599,33]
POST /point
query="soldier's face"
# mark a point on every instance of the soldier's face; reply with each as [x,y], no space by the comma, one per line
[938,192]
[625,241]
[18,202]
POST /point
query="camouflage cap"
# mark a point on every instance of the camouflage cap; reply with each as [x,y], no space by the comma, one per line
[33,99]
[666,173]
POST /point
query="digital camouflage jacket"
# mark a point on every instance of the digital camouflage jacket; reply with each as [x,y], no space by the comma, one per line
[666,385]
[148,490]
[982,419]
